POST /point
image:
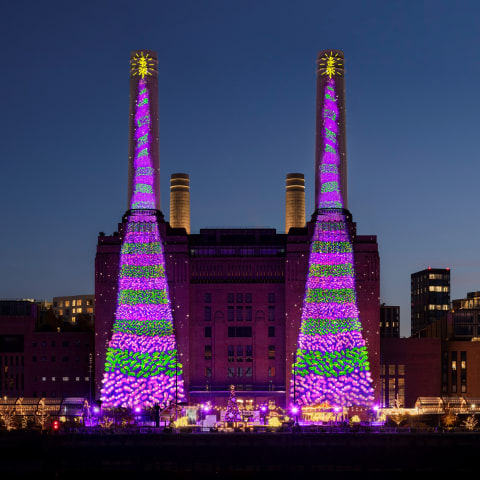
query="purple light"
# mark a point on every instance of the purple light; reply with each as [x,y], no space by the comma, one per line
[263,409]
[142,367]
[376,407]
[295,410]
[331,362]
[336,409]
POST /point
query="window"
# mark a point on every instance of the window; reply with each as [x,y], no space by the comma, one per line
[239,297]
[89,302]
[248,353]
[207,297]
[67,303]
[208,352]
[231,371]
[271,314]
[208,332]
[230,297]
[271,331]
[239,353]
[54,379]
[65,344]
[382,369]
[391,370]
[239,331]
[248,371]
[248,298]
[79,302]
[44,379]
[239,314]
[248,314]
[53,343]
[34,359]
[239,371]
[207,313]
[73,303]
[230,314]
[53,358]
[65,379]
[77,379]
[271,298]
[401,369]
[208,371]
[271,371]
[64,359]
[87,379]
[231,353]
[271,352]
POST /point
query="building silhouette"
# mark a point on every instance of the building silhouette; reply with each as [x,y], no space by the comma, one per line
[430,297]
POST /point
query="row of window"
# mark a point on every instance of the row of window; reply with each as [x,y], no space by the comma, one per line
[65,379]
[65,358]
[61,311]
[238,298]
[239,314]
[244,353]
[438,307]
[239,371]
[74,303]
[65,343]
[271,332]
[392,369]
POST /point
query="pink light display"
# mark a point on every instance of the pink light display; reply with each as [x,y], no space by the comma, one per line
[142,367]
[331,362]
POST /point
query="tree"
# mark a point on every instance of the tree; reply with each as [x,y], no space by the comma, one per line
[233,413]
[398,418]
[470,423]
[449,419]
[41,415]
[7,415]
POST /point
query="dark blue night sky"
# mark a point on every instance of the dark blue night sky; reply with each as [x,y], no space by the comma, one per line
[237,96]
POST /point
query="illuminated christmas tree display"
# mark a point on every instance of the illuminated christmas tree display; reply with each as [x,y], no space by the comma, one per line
[233,413]
[331,362]
[142,367]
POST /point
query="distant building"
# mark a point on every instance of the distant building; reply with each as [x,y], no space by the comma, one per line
[409,368]
[37,363]
[430,297]
[389,321]
[71,307]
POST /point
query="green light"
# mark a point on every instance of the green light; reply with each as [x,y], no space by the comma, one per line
[331,135]
[137,364]
[329,187]
[317,270]
[153,247]
[331,364]
[332,247]
[321,326]
[340,295]
[134,297]
[144,327]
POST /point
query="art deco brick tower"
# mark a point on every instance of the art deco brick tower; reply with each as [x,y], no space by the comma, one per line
[142,366]
[331,361]
[294,201]
[180,201]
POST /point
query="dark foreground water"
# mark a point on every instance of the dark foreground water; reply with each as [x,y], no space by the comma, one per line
[237,455]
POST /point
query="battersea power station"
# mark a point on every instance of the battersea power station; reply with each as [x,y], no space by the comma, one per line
[287,318]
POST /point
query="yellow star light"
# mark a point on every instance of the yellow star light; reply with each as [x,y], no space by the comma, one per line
[141,65]
[331,64]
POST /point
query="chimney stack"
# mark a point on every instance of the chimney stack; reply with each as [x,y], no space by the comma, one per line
[180,201]
[295,201]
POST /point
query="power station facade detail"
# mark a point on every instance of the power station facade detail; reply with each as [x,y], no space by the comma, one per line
[286,318]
